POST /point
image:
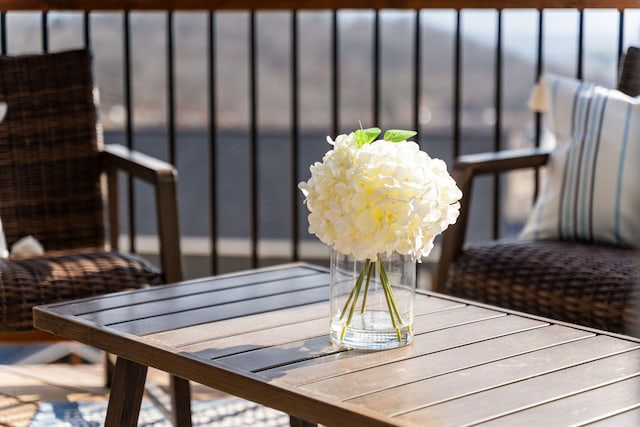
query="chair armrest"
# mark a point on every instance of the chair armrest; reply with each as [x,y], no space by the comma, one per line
[470,165]
[162,176]
[137,164]
[465,169]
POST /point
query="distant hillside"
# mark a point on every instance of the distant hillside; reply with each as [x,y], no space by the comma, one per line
[149,82]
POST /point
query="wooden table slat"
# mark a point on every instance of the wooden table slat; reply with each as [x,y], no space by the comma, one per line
[241,343]
[449,318]
[228,311]
[211,299]
[425,305]
[430,391]
[301,330]
[630,417]
[266,358]
[501,354]
[188,336]
[270,357]
[617,396]
[182,289]
[431,364]
[204,332]
[531,392]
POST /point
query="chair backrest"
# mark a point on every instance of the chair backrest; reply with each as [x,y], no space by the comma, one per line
[49,166]
[629,82]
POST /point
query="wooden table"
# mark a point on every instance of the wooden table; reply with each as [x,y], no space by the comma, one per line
[263,335]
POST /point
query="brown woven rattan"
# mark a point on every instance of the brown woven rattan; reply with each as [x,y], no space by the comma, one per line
[578,283]
[51,161]
[589,284]
[43,280]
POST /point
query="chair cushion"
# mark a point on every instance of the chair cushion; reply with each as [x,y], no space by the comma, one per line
[4,251]
[591,285]
[27,282]
[591,192]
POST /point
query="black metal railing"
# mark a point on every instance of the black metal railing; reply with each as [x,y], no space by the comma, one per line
[297,133]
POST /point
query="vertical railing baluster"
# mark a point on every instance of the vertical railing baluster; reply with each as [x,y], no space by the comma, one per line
[44,30]
[580,67]
[376,70]
[620,40]
[335,76]
[86,29]
[171,119]
[457,79]
[3,33]
[538,115]
[128,96]
[213,142]
[295,136]
[417,81]
[253,139]
[497,133]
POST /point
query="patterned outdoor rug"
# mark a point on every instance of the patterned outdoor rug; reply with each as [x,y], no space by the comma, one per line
[219,412]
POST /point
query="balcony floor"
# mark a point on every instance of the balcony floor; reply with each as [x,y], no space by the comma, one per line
[24,387]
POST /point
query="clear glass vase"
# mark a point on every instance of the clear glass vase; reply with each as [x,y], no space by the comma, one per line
[372,301]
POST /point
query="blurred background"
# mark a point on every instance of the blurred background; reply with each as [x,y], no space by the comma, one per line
[215,187]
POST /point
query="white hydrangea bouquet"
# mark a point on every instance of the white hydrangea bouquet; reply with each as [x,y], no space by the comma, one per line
[370,197]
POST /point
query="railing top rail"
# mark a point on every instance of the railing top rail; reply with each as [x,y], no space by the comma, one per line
[46,5]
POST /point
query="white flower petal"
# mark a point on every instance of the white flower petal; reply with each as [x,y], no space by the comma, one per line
[380,197]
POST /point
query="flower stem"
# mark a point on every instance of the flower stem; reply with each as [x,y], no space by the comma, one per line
[391,301]
[352,300]
[366,289]
[388,290]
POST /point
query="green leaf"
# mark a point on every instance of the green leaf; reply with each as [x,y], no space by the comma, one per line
[366,136]
[397,135]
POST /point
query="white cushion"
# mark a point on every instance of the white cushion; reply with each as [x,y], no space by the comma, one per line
[4,252]
[592,187]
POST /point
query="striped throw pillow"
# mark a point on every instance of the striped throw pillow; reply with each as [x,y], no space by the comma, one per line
[592,188]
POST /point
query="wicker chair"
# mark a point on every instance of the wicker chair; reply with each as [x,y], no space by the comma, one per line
[582,283]
[52,165]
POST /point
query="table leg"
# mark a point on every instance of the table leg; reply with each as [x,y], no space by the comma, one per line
[297,422]
[108,370]
[126,393]
[181,401]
